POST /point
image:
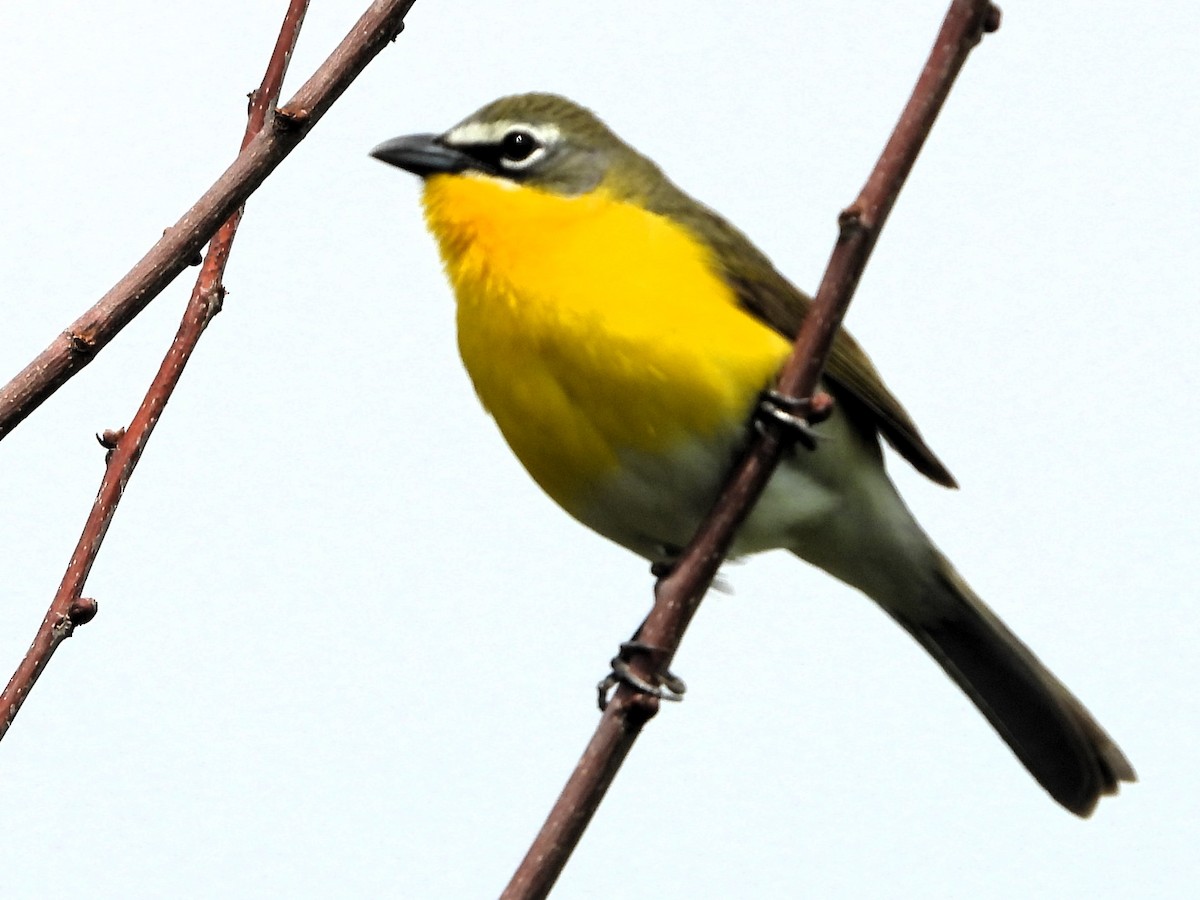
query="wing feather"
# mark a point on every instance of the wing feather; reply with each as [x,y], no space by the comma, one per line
[764,293]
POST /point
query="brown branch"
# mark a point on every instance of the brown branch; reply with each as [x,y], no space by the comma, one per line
[678,596]
[91,332]
[69,609]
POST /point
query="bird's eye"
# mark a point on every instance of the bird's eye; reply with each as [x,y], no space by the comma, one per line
[517,146]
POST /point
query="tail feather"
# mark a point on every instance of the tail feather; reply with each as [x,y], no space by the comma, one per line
[1046,726]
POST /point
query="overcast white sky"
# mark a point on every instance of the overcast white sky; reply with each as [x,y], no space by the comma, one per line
[346,649]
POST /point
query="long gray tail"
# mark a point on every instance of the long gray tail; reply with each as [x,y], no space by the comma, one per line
[1048,729]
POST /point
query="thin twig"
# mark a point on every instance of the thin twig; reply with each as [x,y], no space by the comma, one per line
[678,596]
[69,609]
[91,332]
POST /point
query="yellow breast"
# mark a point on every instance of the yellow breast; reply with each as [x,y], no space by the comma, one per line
[592,328]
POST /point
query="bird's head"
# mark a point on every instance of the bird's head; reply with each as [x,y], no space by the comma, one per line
[537,140]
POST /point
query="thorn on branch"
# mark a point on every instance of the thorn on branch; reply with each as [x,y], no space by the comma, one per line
[399,31]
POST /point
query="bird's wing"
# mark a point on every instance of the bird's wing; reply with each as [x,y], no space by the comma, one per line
[770,297]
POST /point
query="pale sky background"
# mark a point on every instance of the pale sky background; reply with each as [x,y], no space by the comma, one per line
[347,649]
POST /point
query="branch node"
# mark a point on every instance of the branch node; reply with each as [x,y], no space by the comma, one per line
[61,629]
[82,344]
[214,301]
[850,220]
[992,19]
[110,437]
[820,407]
[289,118]
[82,611]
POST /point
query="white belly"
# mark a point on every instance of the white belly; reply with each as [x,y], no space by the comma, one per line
[833,506]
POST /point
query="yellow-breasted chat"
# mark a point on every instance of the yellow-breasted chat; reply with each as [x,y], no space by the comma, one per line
[621,333]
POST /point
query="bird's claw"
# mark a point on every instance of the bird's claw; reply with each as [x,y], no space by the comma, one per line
[797,414]
[670,687]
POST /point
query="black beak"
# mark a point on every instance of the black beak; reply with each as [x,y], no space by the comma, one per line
[424,155]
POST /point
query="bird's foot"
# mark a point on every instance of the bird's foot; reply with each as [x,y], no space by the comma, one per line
[797,414]
[670,686]
[662,568]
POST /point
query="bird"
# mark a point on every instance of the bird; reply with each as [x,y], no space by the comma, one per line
[621,333]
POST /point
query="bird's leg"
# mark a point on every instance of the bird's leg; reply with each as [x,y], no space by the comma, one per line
[797,414]
[670,687]
[660,570]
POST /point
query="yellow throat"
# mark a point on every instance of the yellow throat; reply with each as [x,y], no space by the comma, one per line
[592,328]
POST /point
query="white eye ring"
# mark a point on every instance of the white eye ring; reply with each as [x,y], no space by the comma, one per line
[520,141]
